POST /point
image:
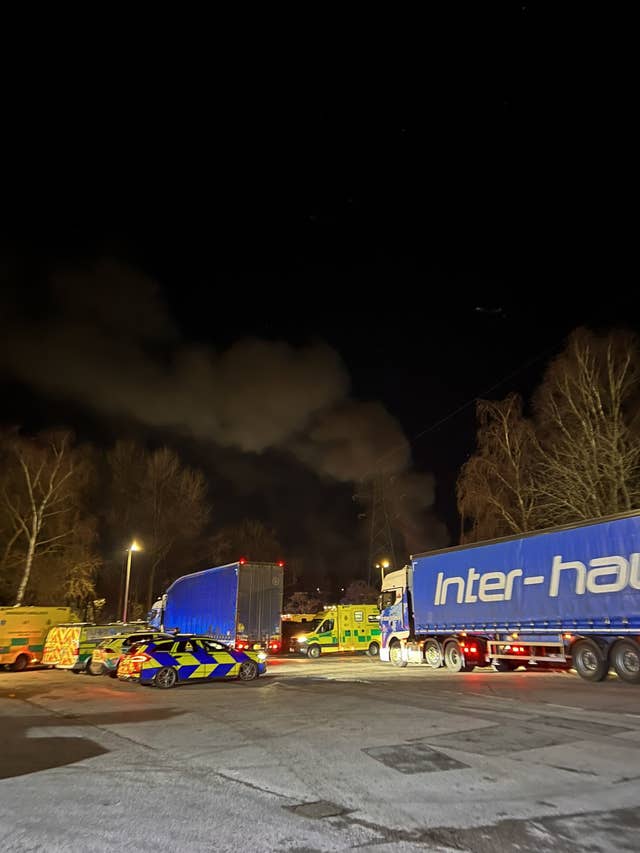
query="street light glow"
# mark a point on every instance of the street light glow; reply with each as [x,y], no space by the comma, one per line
[133,547]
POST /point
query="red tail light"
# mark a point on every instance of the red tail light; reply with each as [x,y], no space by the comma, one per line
[76,651]
[274,646]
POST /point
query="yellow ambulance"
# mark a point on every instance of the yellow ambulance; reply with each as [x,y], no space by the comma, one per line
[342,628]
[23,631]
[70,646]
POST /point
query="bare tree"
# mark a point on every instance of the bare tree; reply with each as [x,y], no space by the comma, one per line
[158,499]
[577,459]
[176,496]
[80,565]
[67,573]
[359,592]
[587,413]
[302,602]
[250,539]
[497,488]
[38,497]
[11,532]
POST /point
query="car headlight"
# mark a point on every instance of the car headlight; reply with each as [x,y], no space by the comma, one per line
[301,639]
[261,656]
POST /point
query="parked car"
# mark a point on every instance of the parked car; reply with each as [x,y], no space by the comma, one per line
[185,657]
[107,655]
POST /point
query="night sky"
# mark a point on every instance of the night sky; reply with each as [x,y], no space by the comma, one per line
[244,268]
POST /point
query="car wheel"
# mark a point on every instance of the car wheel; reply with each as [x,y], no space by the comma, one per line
[166,678]
[373,650]
[313,651]
[625,657]
[20,663]
[589,660]
[94,668]
[248,670]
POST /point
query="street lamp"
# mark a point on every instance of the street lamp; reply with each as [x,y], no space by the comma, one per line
[133,547]
[382,565]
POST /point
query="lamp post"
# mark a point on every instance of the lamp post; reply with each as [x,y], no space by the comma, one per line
[133,547]
[382,565]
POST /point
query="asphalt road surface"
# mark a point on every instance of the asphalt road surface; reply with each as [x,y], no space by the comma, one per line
[335,754]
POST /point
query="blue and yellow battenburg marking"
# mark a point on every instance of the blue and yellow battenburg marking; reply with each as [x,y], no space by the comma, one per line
[195,664]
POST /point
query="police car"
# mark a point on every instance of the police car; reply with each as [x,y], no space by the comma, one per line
[108,654]
[185,657]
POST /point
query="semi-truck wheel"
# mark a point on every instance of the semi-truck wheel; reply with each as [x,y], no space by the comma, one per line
[625,657]
[165,678]
[373,650]
[395,654]
[589,660]
[20,663]
[433,654]
[314,651]
[453,657]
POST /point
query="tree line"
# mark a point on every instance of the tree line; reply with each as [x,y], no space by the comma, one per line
[571,455]
[68,512]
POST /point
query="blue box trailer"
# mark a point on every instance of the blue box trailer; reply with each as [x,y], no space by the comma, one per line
[563,596]
[239,604]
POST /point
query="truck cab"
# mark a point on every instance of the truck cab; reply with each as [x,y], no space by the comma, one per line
[395,612]
[155,617]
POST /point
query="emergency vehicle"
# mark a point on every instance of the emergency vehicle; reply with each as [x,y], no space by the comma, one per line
[342,628]
[71,646]
[23,631]
[165,663]
[109,652]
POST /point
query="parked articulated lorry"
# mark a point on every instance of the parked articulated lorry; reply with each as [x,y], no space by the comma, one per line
[239,604]
[567,596]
